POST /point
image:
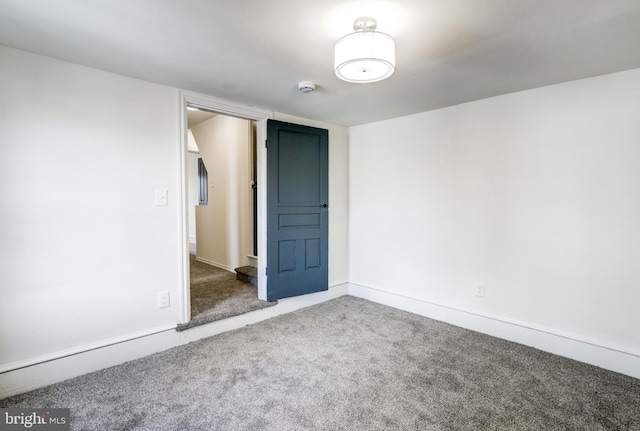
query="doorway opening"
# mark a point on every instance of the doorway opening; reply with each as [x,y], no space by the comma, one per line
[221,201]
[222,207]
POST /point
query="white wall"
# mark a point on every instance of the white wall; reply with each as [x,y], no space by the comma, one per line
[338,196]
[536,194]
[225,225]
[84,249]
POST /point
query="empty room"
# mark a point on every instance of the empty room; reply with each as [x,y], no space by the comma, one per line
[435,206]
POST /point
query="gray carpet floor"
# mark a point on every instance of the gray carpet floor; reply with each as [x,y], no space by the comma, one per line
[216,294]
[347,364]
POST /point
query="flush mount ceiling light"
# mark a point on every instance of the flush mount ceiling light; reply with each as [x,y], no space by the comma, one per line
[366,55]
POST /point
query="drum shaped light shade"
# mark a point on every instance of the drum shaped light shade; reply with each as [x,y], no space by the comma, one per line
[365,56]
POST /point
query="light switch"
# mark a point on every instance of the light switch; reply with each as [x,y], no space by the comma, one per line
[161,198]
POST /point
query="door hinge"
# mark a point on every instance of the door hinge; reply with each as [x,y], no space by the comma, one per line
[266,271]
[266,143]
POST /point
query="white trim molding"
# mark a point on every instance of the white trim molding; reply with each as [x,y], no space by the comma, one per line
[216,264]
[23,376]
[82,349]
[214,104]
[221,106]
[20,377]
[35,373]
[545,339]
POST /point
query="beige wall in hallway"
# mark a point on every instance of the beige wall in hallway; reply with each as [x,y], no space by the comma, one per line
[224,227]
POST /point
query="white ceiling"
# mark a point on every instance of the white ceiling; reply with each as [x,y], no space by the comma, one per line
[255,51]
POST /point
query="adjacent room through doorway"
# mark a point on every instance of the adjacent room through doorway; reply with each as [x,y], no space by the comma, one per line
[221,176]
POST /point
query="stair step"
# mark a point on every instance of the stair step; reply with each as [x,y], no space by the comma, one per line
[248,274]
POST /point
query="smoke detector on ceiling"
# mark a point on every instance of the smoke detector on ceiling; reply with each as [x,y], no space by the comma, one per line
[306,86]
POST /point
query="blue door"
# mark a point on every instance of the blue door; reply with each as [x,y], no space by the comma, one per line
[297,213]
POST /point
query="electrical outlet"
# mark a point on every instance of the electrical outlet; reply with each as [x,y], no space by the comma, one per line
[480,288]
[163,299]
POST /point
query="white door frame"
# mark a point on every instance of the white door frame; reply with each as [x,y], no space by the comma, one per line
[260,116]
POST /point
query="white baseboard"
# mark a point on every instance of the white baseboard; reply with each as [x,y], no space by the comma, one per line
[55,370]
[39,372]
[544,339]
[216,264]
[42,371]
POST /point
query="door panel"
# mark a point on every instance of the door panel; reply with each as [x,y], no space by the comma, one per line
[297,216]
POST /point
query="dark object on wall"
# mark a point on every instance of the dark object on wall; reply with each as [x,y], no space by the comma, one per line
[203,179]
